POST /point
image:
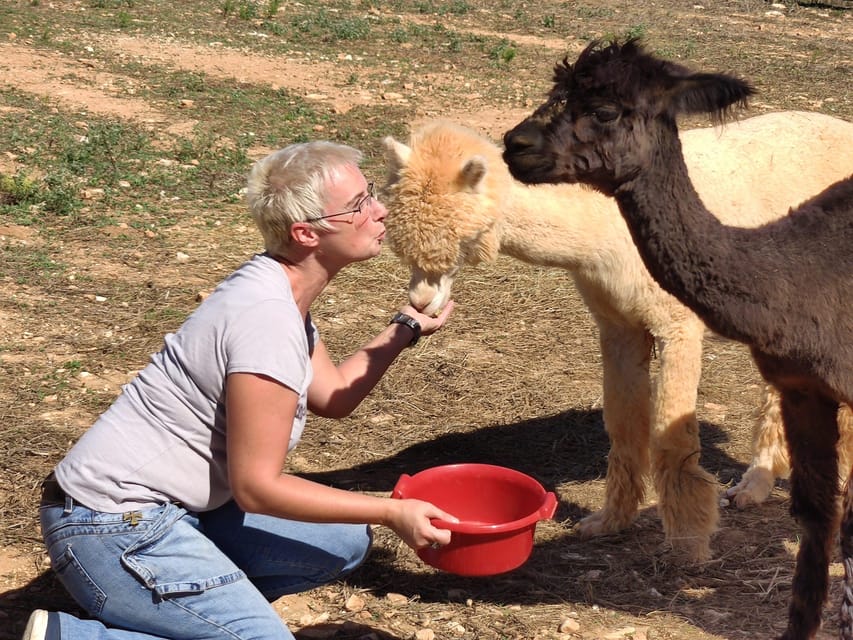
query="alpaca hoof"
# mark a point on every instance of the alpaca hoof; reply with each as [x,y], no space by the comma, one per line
[754,488]
[602,522]
[695,551]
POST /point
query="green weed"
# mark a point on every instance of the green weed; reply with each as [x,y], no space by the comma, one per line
[25,264]
[504,52]
[330,27]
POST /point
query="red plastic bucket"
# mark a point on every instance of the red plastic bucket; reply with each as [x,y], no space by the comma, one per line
[497,507]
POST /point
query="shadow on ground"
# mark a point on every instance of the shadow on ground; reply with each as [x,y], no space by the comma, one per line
[565,448]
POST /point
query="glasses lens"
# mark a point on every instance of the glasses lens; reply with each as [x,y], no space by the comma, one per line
[364,205]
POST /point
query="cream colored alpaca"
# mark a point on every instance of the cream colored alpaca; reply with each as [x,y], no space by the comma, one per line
[452,201]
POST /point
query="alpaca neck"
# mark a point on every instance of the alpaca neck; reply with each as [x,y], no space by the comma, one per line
[566,226]
[691,254]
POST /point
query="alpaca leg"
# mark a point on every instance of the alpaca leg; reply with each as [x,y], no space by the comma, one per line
[845,442]
[769,453]
[812,432]
[688,496]
[625,355]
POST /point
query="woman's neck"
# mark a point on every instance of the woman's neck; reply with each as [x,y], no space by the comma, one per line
[307,277]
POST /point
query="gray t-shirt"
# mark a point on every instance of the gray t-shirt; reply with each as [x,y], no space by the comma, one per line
[163,439]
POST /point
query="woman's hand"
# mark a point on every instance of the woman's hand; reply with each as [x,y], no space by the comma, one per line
[429,324]
[411,520]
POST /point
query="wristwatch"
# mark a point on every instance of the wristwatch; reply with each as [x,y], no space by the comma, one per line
[409,321]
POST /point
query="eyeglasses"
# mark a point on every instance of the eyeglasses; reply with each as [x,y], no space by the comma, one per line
[360,207]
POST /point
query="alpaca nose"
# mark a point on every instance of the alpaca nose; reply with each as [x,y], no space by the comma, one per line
[523,138]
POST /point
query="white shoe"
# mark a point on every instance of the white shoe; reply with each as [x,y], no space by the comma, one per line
[36,626]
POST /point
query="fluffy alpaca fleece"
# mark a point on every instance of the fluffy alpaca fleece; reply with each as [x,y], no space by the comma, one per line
[452,201]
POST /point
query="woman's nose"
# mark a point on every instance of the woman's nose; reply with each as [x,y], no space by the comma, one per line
[380,212]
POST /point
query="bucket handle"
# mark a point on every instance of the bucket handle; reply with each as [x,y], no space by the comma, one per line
[549,506]
[400,488]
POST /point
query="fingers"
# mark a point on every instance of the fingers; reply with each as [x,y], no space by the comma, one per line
[436,535]
[430,324]
[440,537]
[415,524]
[438,514]
[445,313]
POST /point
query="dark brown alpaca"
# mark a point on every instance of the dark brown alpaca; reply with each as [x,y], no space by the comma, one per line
[784,289]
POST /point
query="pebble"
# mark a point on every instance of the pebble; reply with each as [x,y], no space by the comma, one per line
[569,626]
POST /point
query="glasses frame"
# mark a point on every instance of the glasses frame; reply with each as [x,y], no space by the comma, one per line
[360,206]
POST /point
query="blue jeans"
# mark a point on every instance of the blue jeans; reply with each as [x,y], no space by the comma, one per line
[168,573]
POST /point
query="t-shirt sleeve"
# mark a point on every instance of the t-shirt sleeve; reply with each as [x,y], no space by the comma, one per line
[269,339]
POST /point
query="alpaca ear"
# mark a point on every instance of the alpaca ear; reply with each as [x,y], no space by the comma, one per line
[712,93]
[473,172]
[396,153]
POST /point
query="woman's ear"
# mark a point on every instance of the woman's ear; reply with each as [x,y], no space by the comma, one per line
[304,234]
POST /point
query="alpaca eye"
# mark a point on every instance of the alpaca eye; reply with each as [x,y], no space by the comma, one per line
[606,114]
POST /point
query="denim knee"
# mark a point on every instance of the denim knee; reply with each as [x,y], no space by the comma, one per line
[356,547]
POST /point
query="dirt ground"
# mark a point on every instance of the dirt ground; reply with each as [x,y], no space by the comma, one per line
[513,380]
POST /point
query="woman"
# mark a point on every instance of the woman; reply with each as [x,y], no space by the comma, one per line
[171,517]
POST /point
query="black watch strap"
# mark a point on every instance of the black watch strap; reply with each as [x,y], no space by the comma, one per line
[409,321]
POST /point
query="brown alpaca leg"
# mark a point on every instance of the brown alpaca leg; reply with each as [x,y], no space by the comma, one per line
[688,496]
[625,356]
[769,453]
[812,432]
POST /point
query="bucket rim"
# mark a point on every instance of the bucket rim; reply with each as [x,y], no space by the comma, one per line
[544,511]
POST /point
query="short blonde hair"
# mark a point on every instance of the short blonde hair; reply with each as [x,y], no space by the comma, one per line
[289,185]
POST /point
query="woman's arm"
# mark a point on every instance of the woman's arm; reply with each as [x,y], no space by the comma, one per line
[338,389]
[260,417]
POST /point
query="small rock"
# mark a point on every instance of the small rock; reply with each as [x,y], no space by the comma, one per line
[396,599]
[424,634]
[569,626]
[92,193]
[181,256]
[186,104]
[354,603]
